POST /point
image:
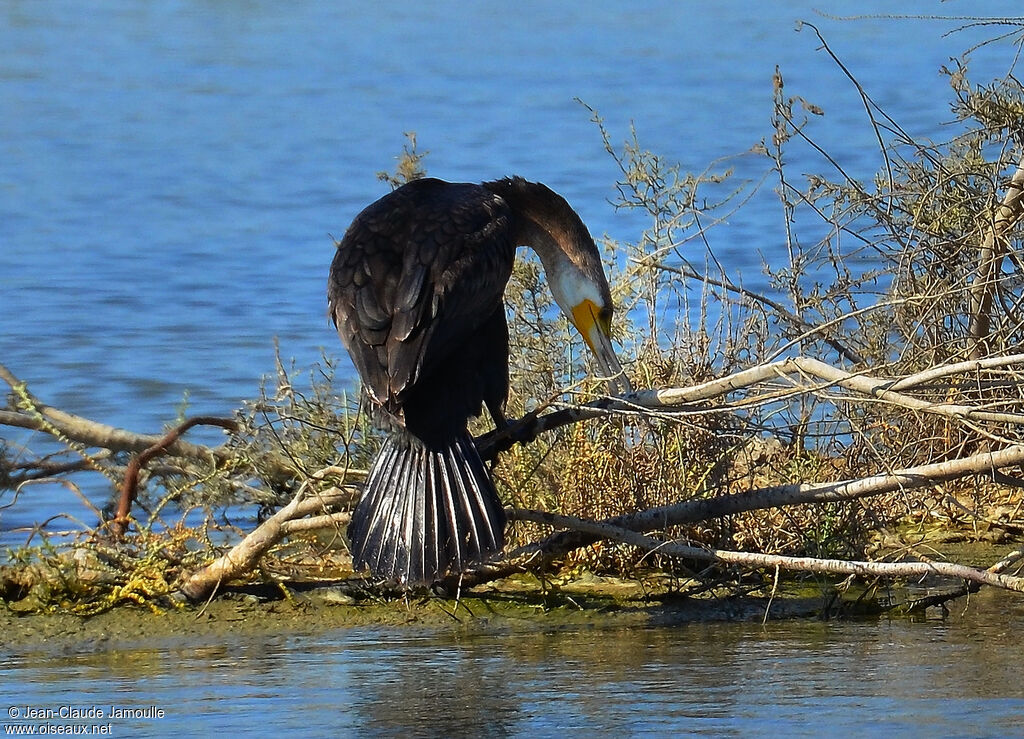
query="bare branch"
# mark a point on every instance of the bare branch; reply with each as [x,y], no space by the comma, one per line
[704,509]
[990,259]
[129,486]
[36,415]
[673,399]
[756,560]
[780,310]
[242,558]
[965,368]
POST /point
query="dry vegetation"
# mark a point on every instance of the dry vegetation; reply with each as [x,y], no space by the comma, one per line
[845,423]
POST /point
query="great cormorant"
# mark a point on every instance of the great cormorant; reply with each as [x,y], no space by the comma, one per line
[415,291]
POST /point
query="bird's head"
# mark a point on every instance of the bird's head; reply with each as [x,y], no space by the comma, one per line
[585,299]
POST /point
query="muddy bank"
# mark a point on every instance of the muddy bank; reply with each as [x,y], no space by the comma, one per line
[511,605]
[507,607]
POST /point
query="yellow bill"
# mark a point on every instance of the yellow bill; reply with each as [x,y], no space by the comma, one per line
[595,328]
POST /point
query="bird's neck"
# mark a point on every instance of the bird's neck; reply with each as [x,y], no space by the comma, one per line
[545,243]
[568,283]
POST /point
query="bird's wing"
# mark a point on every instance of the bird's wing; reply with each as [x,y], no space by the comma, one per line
[415,274]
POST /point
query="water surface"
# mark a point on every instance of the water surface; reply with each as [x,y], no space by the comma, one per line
[953,677]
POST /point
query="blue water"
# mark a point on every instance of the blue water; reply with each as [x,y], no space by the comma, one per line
[959,678]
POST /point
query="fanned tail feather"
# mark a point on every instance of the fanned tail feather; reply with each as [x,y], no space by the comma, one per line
[425,512]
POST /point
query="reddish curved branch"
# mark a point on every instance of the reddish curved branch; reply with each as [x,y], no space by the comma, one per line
[130,486]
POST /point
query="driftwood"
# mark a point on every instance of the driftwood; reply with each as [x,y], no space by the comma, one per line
[704,509]
[314,508]
[796,375]
[32,413]
[604,530]
[994,248]
[629,529]
[82,435]
[793,371]
[242,558]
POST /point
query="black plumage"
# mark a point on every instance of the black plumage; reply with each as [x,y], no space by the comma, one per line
[415,291]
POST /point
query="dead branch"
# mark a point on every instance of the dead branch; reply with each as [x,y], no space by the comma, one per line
[800,367]
[31,413]
[994,248]
[784,378]
[690,511]
[827,332]
[317,523]
[21,472]
[604,530]
[969,367]
[242,558]
[968,587]
[796,369]
[703,509]
[129,487]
